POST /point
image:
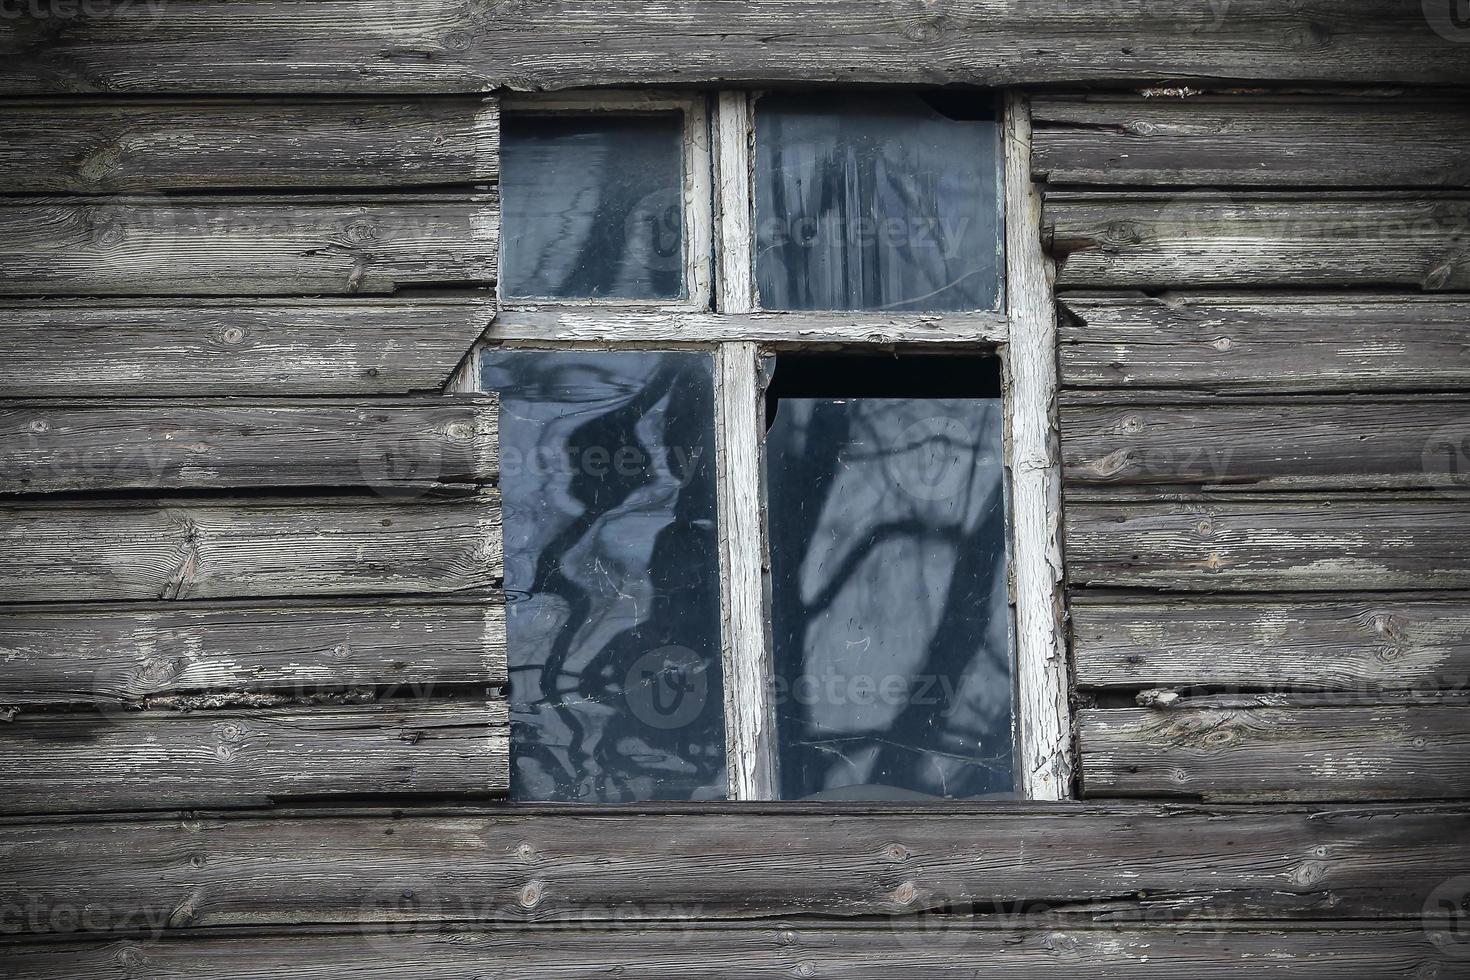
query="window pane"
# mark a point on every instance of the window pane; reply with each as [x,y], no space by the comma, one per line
[611,575]
[883,204]
[890,618]
[593,207]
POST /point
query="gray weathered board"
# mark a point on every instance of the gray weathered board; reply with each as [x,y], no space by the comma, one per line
[123,654]
[1243,239]
[537,864]
[1264,343]
[294,547]
[1270,543]
[131,245]
[1350,644]
[169,759]
[461,45]
[408,444]
[1260,140]
[212,347]
[312,144]
[938,947]
[1305,753]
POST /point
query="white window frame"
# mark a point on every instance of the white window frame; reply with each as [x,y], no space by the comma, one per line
[719,216]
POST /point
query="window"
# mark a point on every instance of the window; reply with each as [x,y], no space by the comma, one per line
[765,364]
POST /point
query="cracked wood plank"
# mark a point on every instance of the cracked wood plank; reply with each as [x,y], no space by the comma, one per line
[504,865]
[115,145]
[61,763]
[1274,444]
[207,348]
[1237,344]
[133,245]
[1354,644]
[1314,753]
[375,46]
[407,445]
[1106,240]
[71,655]
[183,549]
[1269,544]
[1253,140]
[767,951]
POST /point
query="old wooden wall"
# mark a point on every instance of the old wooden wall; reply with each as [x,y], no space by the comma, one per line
[250,627]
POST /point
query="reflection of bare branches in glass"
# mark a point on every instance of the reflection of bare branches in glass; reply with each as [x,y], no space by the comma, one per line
[888,545]
[610,540]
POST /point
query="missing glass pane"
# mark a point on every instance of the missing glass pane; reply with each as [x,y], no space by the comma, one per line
[878,203]
[593,206]
[611,575]
[890,614]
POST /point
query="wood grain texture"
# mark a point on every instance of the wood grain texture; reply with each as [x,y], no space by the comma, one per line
[937,948]
[121,654]
[63,763]
[460,45]
[1270,544]
[156,245]
[1254,140]
[1277,444]
[1355,644]
[1256,754]
[1252,239]
[111,146]
[48,447]
[1266,344]
[208,348]
[184,549]
[506,865]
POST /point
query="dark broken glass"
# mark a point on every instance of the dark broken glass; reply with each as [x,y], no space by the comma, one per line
[890,623]
[592,207]
[611,575]
[881,203]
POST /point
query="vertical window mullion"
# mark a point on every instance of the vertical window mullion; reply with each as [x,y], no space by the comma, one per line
[749,715]
[1031,355]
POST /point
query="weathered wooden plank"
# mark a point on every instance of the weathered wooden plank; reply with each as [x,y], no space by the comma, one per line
[214,347]
[569,325]
[1209,238]
[1270,544]
[186,549]
[1364,644]
[121,654]
[459,45]
[506,865]
[935,947]
[407,446]
[88,148]
[1255,754]
[1336,343]
[1269,445]
[62,763]
[1255,140]
[156,245]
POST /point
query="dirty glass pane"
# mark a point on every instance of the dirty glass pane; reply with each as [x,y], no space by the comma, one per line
[877,203]
[611,575]
[890,615]
[592,207]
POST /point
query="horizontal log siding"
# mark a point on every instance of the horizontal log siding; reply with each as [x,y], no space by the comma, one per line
[536,864]
[946,949]
[309,144]
[458,46]
[1232,459]
[163,759]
